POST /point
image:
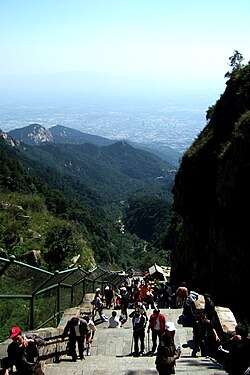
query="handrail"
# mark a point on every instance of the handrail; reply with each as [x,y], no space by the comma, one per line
[57,284]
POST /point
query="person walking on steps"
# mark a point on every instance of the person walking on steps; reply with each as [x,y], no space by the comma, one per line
[139,323]
[99,305]
[91,333]
[205,337]
[157,326]
[124,304]
[167,352]
[78,331]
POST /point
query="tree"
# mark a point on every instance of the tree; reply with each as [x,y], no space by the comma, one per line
[210,112]
[235,63]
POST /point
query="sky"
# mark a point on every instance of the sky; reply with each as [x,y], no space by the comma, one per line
[175,42]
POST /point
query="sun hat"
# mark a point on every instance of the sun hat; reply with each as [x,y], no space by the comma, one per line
[169,326]
[14,331]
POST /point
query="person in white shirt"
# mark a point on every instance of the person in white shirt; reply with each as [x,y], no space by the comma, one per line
[78,330]
[114,321]
[92,329]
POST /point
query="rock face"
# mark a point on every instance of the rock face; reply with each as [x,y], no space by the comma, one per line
[212,201]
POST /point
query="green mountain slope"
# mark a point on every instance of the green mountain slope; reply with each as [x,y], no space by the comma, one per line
[73,196]
[111,172]
[211,198]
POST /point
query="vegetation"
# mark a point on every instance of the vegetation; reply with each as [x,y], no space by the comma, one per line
[209,232]
[64,202]
[147,217]
[235,63]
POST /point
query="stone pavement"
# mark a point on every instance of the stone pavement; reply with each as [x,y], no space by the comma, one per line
[111,353]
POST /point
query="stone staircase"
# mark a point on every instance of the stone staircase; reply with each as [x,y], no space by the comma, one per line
[111,353]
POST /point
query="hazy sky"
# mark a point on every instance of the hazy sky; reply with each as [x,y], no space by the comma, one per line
[175,41]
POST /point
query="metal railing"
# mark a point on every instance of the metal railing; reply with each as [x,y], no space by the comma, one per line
[33,297]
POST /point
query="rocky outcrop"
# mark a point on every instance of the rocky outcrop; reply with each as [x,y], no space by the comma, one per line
[212,201]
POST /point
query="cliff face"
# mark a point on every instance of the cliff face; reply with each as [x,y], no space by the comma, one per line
[212,201]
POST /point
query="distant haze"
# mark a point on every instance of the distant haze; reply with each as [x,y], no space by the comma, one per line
[75,87]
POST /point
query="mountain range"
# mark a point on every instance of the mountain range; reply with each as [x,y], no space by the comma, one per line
[111,169]
[36,134]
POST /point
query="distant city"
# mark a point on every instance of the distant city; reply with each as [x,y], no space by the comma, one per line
[165,126]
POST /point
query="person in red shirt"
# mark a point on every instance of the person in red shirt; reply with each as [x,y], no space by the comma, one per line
[157,326]
[143,291]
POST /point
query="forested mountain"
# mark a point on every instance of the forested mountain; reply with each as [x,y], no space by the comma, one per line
[36,134]
[111,172]
[210,232]
[73,197]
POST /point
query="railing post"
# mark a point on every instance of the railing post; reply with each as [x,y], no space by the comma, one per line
[32,312]
[72,295]
[58,304]
[83,288]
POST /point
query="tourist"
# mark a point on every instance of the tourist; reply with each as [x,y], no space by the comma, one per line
[91,333]
[238,347]
[166,294]
[124,304]
[181,295]
[139,324]
[189,308]
[23,353]
[99,305]
[205,337]
[114,321]
[141,308]
[150,299]
[167,352]
[109,296]
[209,307]
[78,331]
[157,326]
[145,287]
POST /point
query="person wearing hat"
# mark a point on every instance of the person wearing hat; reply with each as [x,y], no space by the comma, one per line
[167,352]
[157,326]
[23,353]
[124,304]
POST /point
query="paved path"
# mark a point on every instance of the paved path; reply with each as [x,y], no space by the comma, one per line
[111,354]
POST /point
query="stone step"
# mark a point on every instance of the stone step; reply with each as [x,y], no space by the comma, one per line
[111,354]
